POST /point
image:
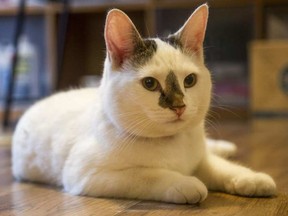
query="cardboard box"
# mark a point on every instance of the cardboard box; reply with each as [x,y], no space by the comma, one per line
[269,76]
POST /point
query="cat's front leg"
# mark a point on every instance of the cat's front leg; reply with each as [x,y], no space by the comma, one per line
[221,148]
[221,175]
[141,183]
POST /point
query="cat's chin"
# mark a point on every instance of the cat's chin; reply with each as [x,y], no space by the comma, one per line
[164,129]
[173,127]
[175,121]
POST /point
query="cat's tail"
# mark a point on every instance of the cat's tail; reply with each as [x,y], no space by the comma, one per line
[221,147]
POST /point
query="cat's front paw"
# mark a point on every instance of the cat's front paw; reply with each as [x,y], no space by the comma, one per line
[188,190]
[258,185]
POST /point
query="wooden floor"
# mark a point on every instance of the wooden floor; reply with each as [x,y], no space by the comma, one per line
[263,145]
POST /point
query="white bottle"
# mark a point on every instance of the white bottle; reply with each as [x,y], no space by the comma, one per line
[27,80]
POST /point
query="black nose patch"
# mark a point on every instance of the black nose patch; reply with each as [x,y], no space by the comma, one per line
[172,96]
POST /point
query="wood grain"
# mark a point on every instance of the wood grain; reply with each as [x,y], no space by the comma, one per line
[263,145]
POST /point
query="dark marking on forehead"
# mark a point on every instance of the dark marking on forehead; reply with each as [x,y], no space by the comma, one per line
[143,51]
[174,41]
[172,96]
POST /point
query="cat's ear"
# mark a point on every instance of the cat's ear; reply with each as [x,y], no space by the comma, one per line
[192,33]
[120,36]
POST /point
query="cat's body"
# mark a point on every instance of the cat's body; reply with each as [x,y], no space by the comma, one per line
[141,133]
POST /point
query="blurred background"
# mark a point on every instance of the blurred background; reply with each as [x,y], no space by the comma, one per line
[61,46]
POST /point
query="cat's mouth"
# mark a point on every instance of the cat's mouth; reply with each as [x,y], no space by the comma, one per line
[177,120]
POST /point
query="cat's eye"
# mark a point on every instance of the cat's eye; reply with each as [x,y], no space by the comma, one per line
[150,83]
[190,80]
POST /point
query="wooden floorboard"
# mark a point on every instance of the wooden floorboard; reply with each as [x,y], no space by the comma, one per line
[263,145]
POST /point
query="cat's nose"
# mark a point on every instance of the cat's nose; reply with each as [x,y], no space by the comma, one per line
[179,110]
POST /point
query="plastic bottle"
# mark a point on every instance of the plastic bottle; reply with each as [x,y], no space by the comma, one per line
[27,80]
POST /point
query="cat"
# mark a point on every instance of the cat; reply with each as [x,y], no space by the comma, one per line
[141,134]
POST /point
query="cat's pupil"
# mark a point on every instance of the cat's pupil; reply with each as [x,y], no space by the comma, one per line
[190,81]
[150,83]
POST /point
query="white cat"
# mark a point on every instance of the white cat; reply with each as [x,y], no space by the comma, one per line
[139,135]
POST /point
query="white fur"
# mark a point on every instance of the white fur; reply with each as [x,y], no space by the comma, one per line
[116,141]
[222,148]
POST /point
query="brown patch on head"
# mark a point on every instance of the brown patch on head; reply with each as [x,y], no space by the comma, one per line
[143,51]
[172,96]
[174,41]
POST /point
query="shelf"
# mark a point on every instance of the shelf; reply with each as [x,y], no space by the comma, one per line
[31,9]
[136,5]
[75,8]
[104,7]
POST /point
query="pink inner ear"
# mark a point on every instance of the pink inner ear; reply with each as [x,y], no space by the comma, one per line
[192,42]
[119,37]
[115,50]
[193,32]
[197,43]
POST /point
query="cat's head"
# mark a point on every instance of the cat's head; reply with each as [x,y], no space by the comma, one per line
[155,87]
